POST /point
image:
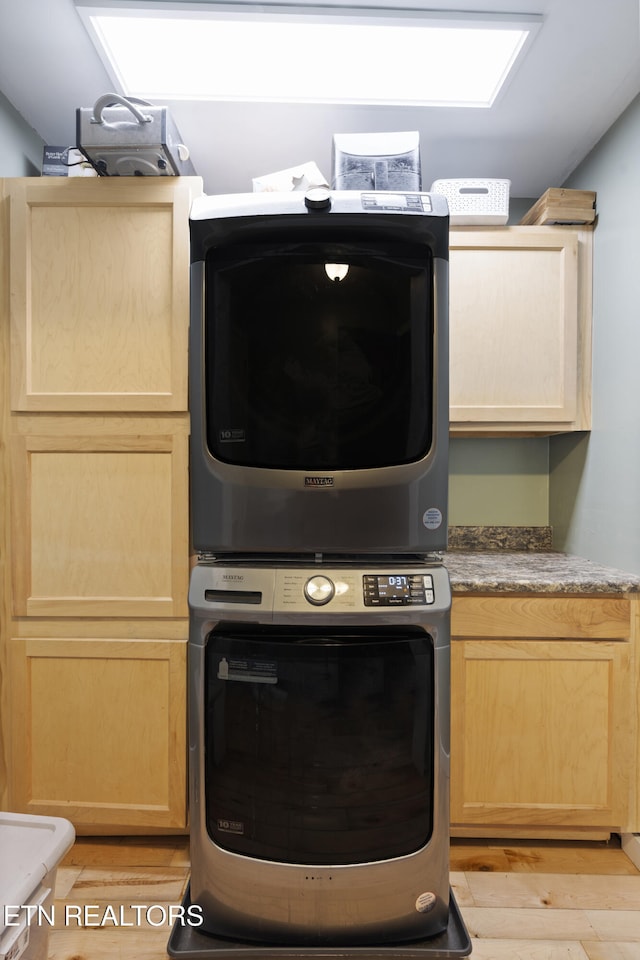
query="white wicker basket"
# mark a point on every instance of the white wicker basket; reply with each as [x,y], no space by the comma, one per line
[475,201]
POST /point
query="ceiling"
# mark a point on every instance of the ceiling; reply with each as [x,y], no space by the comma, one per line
[580,73]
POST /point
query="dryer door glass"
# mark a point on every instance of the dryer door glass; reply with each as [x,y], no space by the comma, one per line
[308,372]
[319,749]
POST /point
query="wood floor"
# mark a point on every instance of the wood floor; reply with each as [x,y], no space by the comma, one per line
[548,901]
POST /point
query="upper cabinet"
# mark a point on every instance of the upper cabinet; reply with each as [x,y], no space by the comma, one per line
[520,330]
[99,277]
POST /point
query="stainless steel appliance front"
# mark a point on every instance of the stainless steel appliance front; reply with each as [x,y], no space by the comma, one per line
[319,406]
[319,751]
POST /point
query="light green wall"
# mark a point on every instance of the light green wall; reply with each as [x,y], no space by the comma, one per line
[20,145]
[502,482]
[594,486]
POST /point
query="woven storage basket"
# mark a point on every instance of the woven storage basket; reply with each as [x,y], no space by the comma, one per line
[475,201]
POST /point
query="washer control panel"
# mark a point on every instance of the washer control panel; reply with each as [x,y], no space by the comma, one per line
[397,589]
[393,591]
[375,589]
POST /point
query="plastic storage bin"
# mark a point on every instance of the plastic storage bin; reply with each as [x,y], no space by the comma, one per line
[30,850]
[475,202]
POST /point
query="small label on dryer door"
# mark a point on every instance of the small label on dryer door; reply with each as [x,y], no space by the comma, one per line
[232,435]
[230,826]
[247,671]
[432,518]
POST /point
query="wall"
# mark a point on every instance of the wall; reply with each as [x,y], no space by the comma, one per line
[499,482]
[594,484]
[20,145]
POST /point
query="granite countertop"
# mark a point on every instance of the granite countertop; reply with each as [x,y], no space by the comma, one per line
[518,560]
[512,571]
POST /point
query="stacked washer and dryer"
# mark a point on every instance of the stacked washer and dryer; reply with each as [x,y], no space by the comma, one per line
[319,606]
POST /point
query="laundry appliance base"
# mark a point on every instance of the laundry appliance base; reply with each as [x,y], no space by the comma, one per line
[187,943]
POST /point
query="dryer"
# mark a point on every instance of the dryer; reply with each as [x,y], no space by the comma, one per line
[318,373]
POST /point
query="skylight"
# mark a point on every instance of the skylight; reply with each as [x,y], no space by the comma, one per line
[221,52]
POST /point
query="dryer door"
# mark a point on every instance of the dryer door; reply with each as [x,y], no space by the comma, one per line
[319,746]
[306,373]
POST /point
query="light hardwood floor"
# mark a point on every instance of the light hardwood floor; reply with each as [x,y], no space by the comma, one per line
[546,901]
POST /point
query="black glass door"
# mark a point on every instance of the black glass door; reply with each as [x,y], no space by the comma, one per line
[306,371]
[319,748]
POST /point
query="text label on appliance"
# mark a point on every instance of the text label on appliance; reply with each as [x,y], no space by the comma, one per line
[318,481]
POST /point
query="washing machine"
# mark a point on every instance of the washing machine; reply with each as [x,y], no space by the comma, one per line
[319,750]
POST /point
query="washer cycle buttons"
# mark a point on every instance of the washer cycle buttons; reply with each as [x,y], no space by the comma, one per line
[398,589]
[319,590]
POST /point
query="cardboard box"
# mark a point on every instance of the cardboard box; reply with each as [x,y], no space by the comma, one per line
[65,162]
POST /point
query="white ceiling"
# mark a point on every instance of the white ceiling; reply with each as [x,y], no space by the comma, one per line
[581,72]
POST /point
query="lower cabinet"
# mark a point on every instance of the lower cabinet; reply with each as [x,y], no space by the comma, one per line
[543,719]
[96,620]
[543,716]
[99,731]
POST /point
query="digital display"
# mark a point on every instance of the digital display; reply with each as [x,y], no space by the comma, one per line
[395,586]
[397,589]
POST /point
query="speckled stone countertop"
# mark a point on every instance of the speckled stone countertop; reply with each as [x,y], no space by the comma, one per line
[511,560]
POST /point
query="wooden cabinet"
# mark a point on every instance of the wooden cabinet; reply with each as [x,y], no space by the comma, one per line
[5,560]
[543,718]
[99,274]
[117,543]
[95,429]
[520,330]
[99,731]
[94,552]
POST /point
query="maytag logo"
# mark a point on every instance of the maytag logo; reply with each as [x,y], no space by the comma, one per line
[233,576]
[318,481]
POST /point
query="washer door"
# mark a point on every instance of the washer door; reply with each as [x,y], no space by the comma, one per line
[319,747]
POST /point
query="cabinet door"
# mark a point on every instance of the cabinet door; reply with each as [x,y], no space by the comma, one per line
[5,591]
[100,517]
[99,275]
[98,730]
[540,733]
[519,343]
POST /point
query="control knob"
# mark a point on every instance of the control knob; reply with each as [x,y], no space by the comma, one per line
[318,198]
[319,590]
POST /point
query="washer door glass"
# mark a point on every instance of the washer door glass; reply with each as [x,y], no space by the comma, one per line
[319,748]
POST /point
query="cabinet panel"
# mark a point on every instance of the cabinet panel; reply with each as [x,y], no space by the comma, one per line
[99,290]
[5,562]
[99,730]
[520,329]
[527,617]
[100,519]
[540,733]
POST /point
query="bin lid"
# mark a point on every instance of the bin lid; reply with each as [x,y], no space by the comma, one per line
[30,846]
